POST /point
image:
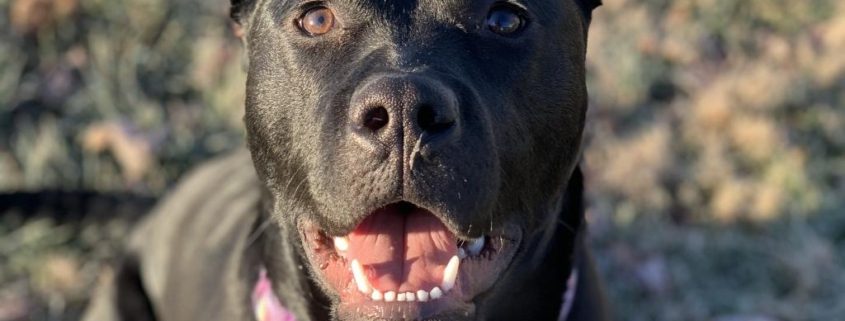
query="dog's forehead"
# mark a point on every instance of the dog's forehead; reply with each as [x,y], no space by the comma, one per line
[409,9]
[419,18]
[404,5]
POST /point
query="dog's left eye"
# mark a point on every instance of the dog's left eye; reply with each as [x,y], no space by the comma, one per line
[505,19]
[317,21]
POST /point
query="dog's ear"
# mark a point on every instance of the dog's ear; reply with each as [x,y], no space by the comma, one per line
[240,10]
[587,7]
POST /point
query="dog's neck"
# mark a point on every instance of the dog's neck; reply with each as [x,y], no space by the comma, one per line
[279,253]
[544,263]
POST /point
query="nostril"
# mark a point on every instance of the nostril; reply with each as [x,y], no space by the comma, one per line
[376,118]
[427,119]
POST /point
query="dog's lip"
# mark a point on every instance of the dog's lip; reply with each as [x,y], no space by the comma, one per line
[347,228]
[476,275]
[404,310]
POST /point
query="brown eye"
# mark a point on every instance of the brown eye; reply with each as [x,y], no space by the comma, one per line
[317,21]
[505,20]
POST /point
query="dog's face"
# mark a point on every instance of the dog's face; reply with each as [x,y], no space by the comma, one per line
[414,146]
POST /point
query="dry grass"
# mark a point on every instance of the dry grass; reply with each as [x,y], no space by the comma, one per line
[725,116]
[737,86]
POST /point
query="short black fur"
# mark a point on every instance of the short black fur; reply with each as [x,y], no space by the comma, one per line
[484,131]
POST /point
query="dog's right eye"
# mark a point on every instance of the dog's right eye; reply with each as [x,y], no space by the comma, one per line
[317,21]
[506,19]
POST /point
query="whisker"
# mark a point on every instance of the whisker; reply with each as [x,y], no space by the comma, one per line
[296,190]
[566,225]
[491,222]
[253,237]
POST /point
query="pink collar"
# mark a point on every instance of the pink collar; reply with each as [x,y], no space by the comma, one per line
[569,295]
[268,307]
[266,304]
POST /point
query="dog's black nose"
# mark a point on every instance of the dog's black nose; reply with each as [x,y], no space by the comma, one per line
[392,109]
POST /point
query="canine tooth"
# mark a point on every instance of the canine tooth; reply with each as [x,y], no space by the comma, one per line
[435,293]
[450,273]
[341,243]
[422,296]
[376,295]
[360,277]
[410,296]
[462,253]
[400,297]
[475,246]
[389,296]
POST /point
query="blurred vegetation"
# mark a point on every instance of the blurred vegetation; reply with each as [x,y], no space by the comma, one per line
[722,110]
[716,158]
[715,150]
[115,95]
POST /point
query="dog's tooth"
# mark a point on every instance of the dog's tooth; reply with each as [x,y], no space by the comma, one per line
[360,278]
[435,293]
[341,243]
[400,297]
[422,295]
[475,246]
[376,295]
[462,253]
[410,296]
[450,273]
[389,296]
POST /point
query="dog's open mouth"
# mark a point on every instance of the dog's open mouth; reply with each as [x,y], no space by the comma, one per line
[403,262]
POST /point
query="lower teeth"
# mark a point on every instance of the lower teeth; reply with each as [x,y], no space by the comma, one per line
[450,274]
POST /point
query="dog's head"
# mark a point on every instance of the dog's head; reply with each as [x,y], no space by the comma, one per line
[414,145]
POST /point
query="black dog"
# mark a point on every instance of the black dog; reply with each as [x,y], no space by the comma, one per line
[416,160]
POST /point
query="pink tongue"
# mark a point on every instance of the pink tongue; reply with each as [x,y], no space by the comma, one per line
[402,251]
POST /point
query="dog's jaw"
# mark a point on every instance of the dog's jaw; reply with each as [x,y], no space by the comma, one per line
[438,274]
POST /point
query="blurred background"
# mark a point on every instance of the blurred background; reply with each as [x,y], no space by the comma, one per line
[715,154]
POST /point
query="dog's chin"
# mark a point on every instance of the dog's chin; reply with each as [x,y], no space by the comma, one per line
[402,262]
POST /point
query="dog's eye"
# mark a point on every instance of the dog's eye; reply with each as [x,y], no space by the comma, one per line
[317,21]
[505,20]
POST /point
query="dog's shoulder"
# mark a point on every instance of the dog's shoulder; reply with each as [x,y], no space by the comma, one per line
[203,206]
[196,238]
